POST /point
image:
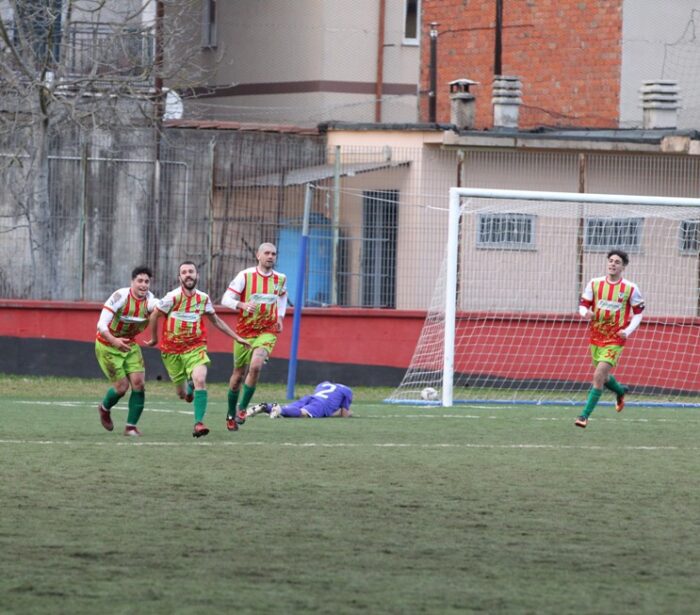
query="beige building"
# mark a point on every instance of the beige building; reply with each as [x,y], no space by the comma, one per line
[306,61]
[380,207]
[534,257]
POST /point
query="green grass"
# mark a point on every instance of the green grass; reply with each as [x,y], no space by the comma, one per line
[398,510]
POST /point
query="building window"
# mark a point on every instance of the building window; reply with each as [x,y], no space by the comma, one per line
[209,24]
[411,28]
[607,233]
[506,231]
[379,232]
[690,237]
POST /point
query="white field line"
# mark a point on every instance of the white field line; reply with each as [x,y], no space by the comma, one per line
[567,415]
[401,445]
[82,404]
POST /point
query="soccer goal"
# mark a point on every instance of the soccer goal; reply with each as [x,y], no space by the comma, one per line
[503,324]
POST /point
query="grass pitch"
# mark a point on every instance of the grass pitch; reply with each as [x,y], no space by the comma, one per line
[397,510]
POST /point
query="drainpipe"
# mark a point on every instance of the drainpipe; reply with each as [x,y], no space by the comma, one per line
[497,49]
[379,85]
[432,94]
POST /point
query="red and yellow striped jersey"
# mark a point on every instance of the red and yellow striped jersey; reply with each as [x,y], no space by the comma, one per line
[124,315]
[264,291]
[613,304]
[184,328]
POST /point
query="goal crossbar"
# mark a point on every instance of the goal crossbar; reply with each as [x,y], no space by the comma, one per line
[456,194]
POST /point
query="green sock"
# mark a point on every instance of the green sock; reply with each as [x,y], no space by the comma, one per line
[232,400]
[190,387]
[137,399]
[111,398]
[614,386]
[200,405]
[247,396]
[593,398]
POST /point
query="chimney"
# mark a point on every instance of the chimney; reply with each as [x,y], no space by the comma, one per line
[462,104]
[660,104]
[506,99]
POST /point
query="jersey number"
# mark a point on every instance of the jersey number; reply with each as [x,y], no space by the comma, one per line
[325,390]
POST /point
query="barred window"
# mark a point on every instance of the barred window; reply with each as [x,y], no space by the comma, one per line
[506,231]
[607,233]
[690,237]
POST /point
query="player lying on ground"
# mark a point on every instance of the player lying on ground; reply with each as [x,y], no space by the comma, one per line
[329,399]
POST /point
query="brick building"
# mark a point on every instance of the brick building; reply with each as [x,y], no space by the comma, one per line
[581,62]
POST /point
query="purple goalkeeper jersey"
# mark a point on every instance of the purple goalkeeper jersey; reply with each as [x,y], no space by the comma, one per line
[325,400]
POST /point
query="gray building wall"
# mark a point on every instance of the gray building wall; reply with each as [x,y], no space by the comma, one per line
[308,61]
[659,43]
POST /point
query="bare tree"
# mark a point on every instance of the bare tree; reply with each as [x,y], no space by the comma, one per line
[70,70]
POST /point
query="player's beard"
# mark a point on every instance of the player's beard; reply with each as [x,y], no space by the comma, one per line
[189,283]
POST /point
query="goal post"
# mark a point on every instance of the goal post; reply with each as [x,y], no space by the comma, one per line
[516,234]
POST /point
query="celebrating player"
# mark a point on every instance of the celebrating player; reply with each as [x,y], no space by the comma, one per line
[614,307]
[329,399]
[184,345]
[124,315]
[260,295]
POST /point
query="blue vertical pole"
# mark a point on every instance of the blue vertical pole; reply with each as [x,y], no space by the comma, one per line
[299,294]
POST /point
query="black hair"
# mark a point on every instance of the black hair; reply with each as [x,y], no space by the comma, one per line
[622,254]
[141,269]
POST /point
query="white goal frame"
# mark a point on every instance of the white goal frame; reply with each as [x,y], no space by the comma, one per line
[456,195]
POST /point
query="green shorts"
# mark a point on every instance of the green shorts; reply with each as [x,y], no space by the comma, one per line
[242,355]
[180,366]
[116,364]
[606,354]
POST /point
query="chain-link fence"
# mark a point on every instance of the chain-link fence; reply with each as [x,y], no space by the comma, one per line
[118,200]
[378,214]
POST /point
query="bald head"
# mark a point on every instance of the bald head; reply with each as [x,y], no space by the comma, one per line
[266,247]
[267,257]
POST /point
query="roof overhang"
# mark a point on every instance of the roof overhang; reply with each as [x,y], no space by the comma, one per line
[306,175]
[633,140]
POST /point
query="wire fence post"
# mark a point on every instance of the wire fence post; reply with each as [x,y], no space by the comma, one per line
[299,294]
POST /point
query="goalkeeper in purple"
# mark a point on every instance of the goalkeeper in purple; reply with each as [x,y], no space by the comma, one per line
[329,399]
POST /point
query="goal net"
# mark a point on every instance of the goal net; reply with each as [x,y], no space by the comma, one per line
[503,324]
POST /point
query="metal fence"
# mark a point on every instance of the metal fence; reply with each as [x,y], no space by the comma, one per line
[213,198]
[108,50]
[378,219]
[111,52]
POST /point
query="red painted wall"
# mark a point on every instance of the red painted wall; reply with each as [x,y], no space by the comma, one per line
[568,54]
[664,354]
[360,337]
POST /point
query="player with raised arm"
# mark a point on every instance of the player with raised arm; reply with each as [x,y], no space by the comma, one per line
[260,295]
[124,315]
[184,345]
[614,307]
[329,399]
